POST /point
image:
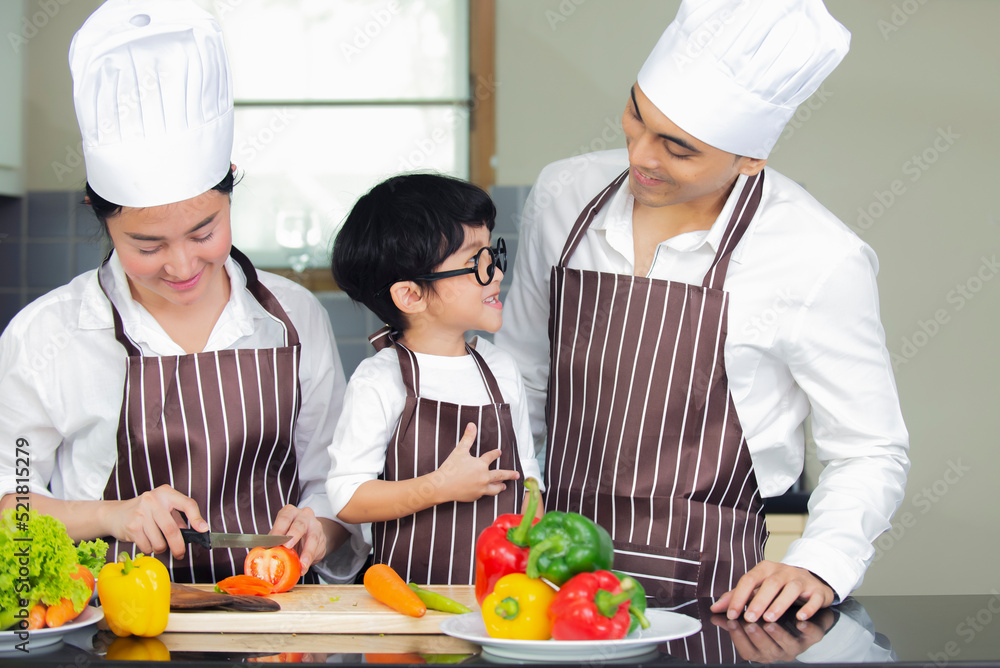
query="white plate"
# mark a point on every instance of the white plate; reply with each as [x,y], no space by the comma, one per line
[663,626]
[45,637]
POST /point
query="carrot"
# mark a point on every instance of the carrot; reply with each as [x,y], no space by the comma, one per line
[83,573]
[401,658]
[60,613]
[36,617]
[385,585]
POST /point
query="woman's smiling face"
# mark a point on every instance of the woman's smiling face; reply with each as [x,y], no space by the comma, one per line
[174,253]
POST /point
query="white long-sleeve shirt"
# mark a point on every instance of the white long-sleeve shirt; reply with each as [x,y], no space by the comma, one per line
[62,374]
[804,338]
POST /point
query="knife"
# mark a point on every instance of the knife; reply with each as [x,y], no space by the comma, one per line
[211,540]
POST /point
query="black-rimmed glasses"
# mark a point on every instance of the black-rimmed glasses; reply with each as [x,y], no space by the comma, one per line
[483,269]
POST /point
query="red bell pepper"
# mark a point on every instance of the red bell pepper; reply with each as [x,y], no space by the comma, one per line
[591,606]
[502,547]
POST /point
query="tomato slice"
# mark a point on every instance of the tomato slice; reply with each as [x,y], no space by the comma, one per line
[245,584]
[279,566]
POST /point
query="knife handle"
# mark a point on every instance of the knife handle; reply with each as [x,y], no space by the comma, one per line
[197,538]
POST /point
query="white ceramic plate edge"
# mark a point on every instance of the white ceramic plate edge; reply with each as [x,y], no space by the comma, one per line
[664,626]
[44,637]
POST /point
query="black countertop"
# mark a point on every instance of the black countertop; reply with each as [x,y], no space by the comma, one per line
[930,631]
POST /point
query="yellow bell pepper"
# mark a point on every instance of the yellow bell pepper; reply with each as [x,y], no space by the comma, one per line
[137,649]
[135,595]
[518,608]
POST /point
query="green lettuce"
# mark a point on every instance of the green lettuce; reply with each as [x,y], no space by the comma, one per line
[37,561]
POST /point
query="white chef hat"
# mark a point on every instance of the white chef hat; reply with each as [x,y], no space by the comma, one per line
[154,100]
[732,72]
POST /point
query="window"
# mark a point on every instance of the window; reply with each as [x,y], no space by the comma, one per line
[332,96]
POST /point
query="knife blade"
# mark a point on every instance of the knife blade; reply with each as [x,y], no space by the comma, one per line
[211,540]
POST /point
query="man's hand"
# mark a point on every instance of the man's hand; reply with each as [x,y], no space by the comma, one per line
[773,642]
[770,588]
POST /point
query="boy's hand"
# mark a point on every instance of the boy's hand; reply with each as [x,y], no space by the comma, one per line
[467,478]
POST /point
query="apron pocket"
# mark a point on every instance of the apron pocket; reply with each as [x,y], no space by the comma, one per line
[670,576]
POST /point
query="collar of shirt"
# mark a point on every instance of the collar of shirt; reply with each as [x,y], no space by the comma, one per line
[616,223]
[235,321]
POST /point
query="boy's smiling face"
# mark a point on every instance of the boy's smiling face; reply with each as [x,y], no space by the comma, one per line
[460,304]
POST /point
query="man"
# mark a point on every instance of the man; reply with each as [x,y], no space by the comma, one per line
[700,308]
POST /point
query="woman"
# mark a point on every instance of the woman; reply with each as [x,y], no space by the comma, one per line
[220,385]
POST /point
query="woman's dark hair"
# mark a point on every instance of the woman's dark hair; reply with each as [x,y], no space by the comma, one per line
[404,227]
[104,209]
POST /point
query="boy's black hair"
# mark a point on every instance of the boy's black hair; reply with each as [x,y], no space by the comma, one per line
[404,227]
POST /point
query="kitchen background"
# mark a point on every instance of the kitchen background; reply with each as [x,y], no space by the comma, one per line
[900,143]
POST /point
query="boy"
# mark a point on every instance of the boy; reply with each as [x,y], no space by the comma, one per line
[416,251]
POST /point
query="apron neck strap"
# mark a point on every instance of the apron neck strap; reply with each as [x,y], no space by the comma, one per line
[410,370]
[739,222]
[587,216]
[492,386]
[130,348]
[254,287]
[264,296]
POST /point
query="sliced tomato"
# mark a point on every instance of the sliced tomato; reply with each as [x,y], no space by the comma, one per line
[245,584]
[279,566]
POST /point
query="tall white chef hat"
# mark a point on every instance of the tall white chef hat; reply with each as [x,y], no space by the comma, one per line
[154,99]
[732,72]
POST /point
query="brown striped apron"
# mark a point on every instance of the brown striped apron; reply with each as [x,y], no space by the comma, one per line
[643,436]
[437,544]
[216,426]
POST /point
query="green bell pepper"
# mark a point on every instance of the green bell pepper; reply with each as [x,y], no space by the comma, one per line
[637,606]
[564,544]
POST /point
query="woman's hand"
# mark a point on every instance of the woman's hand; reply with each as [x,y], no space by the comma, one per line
[467,478]
[152,520]
[311,537]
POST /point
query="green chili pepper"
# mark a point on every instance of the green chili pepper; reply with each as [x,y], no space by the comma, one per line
[436,601]
[637,606]
[564,544]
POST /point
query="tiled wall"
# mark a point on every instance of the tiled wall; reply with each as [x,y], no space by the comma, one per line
[47,238]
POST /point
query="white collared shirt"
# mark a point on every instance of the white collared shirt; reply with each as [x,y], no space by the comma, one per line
[62,374]
[804,339]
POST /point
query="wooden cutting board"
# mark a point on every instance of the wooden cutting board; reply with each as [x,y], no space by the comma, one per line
[329,609]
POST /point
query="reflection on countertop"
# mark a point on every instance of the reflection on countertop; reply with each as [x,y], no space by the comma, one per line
[934,631]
